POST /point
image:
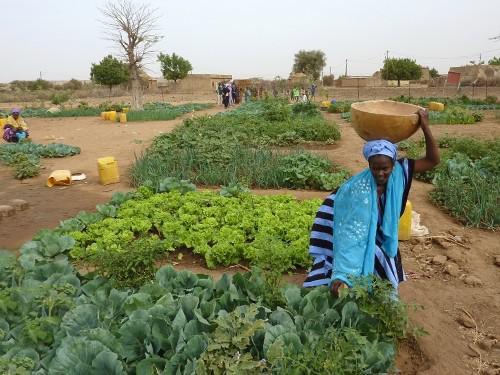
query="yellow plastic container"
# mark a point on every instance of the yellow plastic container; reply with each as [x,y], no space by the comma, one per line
[404,233]
[3,121]
[108,170]
[112,116]
[436,106]
[325,104]
[103,115]
[123,117]
[125,109]
[59,177]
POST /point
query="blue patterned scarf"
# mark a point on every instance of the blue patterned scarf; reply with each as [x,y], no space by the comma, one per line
[355,224]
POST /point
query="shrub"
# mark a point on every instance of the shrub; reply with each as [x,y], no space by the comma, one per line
[59,98]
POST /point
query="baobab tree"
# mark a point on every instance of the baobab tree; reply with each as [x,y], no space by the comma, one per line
[132,28]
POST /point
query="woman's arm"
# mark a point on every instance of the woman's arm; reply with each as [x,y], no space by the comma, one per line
[431,158]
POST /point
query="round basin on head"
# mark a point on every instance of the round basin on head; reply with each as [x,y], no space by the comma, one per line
[384,119]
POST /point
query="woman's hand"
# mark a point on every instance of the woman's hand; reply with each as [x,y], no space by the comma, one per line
[336,286]
[423,115]
[431,158]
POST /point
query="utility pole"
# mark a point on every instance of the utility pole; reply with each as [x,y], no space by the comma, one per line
[479,59]
[40,74]
[387,54]
[345,67]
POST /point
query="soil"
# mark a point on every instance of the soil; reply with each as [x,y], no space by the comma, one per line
[440,289]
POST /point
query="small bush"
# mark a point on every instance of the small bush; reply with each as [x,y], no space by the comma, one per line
[339,107]
[59,98]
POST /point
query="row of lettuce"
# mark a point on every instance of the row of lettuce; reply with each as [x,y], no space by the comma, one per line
[56,320]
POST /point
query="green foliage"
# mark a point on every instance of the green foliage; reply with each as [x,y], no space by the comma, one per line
[234,146]
[224,230]
[460,101]
[159,111]
[469,190]
[340,107]
[56,321]
[109,72]
[25,157]
[59,98]
[454,115]
[174,67]
[310,63]
[131,267]
[401,69]
[346,116]
[466,181]
[433,73]
[328,80]
[305,171]
[64,112]
[494,61]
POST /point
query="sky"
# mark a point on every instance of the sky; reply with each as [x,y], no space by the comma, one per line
[60,39]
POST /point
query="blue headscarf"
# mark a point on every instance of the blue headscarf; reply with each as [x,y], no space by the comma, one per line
[380,147]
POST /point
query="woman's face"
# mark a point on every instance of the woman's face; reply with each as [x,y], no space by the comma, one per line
[381,168]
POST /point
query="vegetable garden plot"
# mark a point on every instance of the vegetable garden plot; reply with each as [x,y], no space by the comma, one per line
[154,111]
[467,181]
[25,157]
[236,146]
[55,321]
[224,230]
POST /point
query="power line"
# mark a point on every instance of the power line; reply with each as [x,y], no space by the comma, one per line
[446,58]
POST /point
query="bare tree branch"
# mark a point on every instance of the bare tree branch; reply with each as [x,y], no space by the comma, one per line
[133,30]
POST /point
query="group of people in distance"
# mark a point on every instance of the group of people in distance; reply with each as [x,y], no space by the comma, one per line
[302,94]
[15,128]
[227,93]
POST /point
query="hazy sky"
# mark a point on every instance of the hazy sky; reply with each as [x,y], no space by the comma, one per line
[256,38]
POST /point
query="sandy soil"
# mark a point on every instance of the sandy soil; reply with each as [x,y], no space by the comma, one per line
[449,348]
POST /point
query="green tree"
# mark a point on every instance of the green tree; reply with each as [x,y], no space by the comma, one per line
[494,61]
[174,67]
[433,73]
[401,69]
[109,72]
[310,63]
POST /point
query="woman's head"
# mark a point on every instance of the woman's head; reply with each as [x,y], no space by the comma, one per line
[15,112]
[381,155]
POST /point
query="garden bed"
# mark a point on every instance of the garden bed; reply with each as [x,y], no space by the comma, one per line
[467,181]
[55,320]
[238,147]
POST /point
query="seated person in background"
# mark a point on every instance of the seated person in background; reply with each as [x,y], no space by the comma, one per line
[15,129]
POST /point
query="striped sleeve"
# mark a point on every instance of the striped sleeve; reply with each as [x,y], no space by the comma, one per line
[321,245]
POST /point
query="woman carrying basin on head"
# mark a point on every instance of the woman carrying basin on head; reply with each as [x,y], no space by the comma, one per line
[355,232]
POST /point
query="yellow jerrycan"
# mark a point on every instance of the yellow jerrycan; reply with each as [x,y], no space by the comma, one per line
[108,170]
[404,233]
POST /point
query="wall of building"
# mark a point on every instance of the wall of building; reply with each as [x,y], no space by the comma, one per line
[478,74]
[193,83]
